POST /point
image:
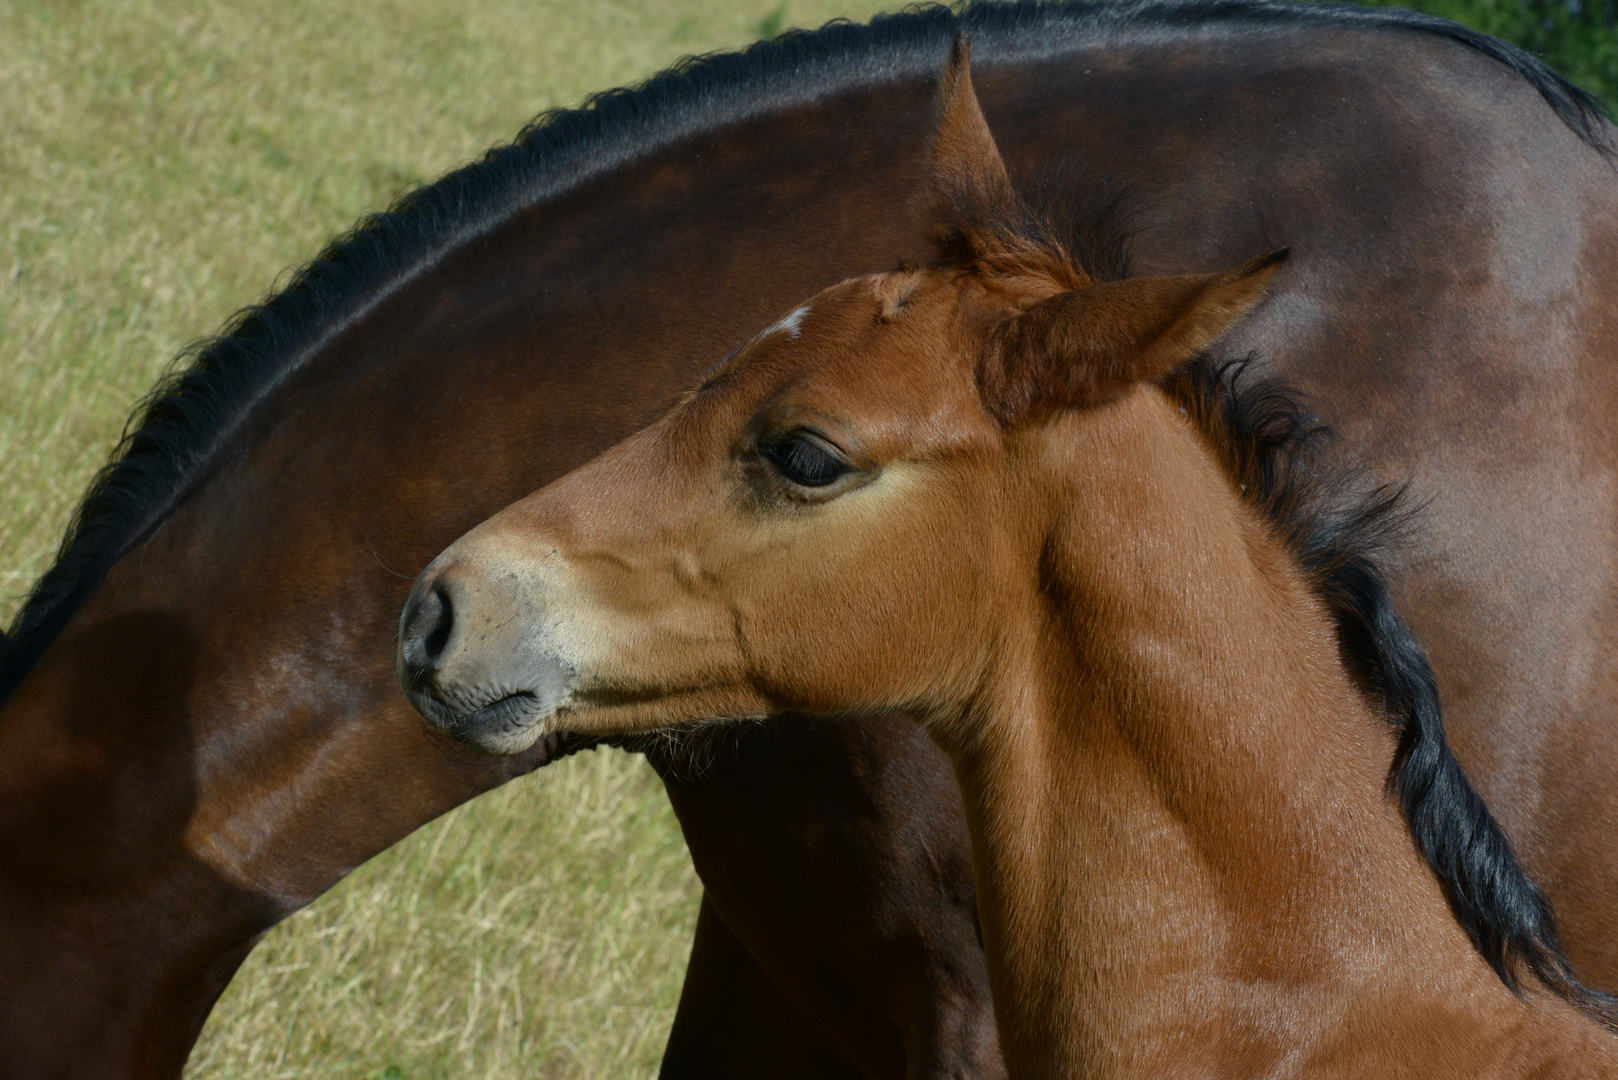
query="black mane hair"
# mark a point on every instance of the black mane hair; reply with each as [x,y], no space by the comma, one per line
[1339,529]
[183,428]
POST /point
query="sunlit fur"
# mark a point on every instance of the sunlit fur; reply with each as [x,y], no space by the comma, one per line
[1057,550]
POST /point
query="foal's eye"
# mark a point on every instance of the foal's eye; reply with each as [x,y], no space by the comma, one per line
[804,458]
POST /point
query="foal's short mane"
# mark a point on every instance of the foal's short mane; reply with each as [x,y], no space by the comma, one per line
[185,427]
[1338,529]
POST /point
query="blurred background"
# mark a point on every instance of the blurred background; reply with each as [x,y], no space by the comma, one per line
[160,164]
[1579,38]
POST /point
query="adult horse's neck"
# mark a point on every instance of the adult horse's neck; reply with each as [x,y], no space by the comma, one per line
[1188,859]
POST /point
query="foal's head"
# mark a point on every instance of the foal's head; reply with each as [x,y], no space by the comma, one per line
[849,510]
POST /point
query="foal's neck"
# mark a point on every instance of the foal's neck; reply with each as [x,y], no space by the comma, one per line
[1188,860]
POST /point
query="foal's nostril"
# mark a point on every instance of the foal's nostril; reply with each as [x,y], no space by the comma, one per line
[427,627]
[440,633]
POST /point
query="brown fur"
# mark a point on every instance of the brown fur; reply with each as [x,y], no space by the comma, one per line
[1187,859]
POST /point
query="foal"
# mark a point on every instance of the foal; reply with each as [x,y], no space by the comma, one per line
[1013,502]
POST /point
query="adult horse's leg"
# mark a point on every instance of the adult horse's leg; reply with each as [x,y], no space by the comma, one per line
[733,1023]
[793,824]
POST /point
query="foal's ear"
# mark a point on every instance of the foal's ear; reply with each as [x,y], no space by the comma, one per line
[1093,343]
[968,190]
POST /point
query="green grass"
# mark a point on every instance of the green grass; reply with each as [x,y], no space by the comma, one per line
[160,164]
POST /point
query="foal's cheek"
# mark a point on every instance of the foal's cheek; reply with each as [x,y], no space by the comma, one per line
[654,633]
[831,606]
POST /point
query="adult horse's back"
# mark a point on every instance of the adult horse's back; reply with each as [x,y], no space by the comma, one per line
[201,732]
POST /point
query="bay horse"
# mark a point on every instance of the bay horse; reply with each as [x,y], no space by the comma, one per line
[1026,507]
[199,732]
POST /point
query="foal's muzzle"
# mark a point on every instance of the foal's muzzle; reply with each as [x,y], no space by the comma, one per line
[470,663]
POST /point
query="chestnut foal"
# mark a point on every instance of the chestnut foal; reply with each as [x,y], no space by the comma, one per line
[1022,506]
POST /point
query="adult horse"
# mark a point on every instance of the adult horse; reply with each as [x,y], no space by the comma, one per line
[200,730]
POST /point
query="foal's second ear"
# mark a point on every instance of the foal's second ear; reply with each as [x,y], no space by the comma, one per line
[1093,343]
[968,190]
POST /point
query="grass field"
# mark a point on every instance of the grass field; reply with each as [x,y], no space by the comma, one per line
[160,164]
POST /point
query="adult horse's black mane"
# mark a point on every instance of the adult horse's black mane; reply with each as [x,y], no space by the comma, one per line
[181,431]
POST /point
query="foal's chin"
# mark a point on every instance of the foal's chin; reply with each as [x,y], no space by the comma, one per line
[505,724]
[508,726]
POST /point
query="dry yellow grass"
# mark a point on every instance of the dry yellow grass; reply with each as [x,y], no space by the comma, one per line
[160,164]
